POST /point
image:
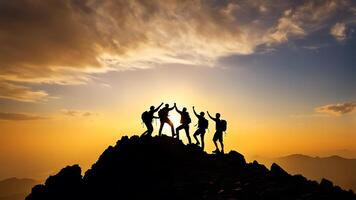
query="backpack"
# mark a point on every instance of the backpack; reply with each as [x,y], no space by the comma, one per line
[185,119]
[223,125]
[145,116]
[203,123]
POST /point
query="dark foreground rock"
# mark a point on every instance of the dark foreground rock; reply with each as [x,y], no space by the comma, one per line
[165,168]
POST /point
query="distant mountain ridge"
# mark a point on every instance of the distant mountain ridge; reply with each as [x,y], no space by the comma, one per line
[165,168]
[299,156]
[341,170]
[15,188]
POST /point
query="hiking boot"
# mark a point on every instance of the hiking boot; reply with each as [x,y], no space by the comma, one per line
[216,151]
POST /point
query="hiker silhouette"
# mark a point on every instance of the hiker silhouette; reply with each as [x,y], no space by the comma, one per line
[163,117]
[147,118]
[185,120]
[202,126]
[220,127]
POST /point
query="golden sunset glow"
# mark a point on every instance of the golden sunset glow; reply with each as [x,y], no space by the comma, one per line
[75,76]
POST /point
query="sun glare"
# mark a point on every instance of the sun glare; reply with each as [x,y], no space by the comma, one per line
[175,118]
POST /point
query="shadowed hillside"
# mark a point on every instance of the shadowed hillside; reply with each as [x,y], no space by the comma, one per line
[165,168]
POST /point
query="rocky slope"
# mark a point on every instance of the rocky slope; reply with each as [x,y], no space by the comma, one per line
[165,168]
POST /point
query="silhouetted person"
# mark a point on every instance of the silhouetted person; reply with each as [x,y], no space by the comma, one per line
[185,120]
[147,118]
[163,117]
[202,126]
[220,127]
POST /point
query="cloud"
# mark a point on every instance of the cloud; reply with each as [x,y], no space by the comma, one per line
[77,113]
[303,116]
[302,19]
[21,93]
[19,116]
[339,31]
[64,42]
[337,109]
[287,26]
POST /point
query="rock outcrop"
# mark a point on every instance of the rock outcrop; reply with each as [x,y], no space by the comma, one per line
[165,168]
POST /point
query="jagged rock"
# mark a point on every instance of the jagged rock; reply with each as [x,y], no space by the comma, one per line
[237,158]
[325,183]
[67,184]
[165,168]
[278,171]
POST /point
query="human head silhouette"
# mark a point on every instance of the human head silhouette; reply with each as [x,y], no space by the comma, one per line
[184,109]
[152,108]
[167,105]
[202,114]
[217,115]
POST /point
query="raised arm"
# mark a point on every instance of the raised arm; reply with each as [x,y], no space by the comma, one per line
[211,116]
[158,107]
[175,106]
[196,114]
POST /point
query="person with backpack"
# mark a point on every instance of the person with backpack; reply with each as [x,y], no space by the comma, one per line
[202,126]
[185,120]
[163,117]
[220,126]
[147,118]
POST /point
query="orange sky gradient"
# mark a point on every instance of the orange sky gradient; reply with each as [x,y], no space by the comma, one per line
[75,76]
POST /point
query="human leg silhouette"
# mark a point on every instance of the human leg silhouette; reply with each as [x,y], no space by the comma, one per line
[160,127]
[178,129]
[149,129]
[216,146]
[186,128]
[169,122]
[221,142]
[217,136]
[196,133]
[222,146]
[202,140]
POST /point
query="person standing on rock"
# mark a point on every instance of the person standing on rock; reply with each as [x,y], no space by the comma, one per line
[163,117]
[185,120]
[220,127]
[202,126]
[147,118]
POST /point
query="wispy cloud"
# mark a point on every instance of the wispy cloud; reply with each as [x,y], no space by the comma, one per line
[314,115]
[78,113]
[21,93]
[337,109]
[287,26]
[19,116]
[339,31]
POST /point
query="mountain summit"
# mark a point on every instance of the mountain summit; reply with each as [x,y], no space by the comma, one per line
[165,168]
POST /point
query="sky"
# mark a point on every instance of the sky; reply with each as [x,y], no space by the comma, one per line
[75,76]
